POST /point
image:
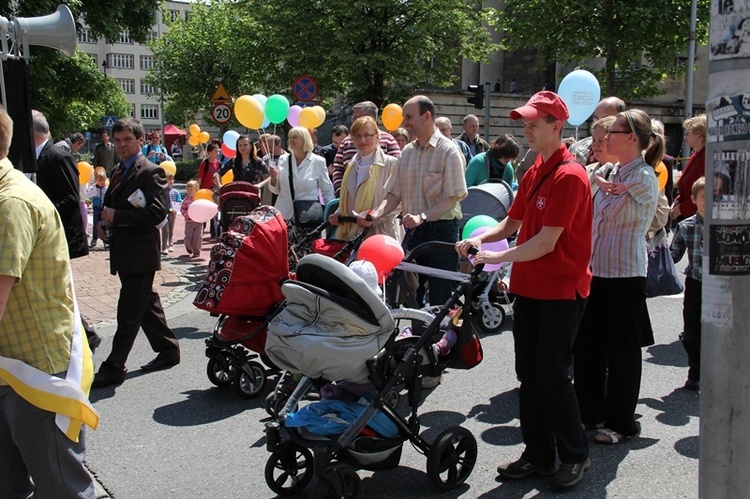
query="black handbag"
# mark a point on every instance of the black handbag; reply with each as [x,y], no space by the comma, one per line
[662,278]
[307,212]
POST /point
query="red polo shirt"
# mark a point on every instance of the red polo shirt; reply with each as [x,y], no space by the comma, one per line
[563,199]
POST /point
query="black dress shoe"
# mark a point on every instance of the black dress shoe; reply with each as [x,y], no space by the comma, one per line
[94,341]
[104,379]
[160,363]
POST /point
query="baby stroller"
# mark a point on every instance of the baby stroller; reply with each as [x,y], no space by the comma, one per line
[243,287]
[335,327]
[236,199]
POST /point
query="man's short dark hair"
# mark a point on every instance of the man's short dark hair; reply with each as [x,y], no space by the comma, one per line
[340,130]
[129,124]
[425,104]
[77,138]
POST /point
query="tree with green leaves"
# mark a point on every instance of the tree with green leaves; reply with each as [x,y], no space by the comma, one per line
[217,43]
[639,40]
[378,50]
[71,92]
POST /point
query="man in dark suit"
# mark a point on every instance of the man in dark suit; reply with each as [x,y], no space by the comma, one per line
[57,176]
[135,255]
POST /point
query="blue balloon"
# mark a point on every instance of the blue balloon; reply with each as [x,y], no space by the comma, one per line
[263,99]
[581,92]
[230,139]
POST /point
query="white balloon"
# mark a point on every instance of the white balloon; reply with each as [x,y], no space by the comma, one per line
[202,210]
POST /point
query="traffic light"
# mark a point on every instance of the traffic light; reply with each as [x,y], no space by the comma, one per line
[478,98]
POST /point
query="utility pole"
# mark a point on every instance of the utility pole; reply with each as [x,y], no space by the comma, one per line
[725,314]
[487,103]
[690,70]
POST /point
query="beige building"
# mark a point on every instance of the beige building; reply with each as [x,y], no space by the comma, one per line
[128,62]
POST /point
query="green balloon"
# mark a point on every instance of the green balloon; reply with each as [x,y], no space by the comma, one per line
[277,108]
[476,222]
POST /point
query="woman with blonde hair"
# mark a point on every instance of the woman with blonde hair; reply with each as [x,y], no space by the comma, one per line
[363,183]
[695,136]
[401,136]
[608,346]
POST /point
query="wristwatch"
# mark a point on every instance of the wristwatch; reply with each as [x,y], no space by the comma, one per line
[423,216]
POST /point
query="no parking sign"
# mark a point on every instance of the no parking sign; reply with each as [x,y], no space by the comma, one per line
[305,88]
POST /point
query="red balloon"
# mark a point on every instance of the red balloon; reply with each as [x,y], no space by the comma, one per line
[383,252]
[227,152]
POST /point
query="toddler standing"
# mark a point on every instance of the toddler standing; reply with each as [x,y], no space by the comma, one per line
[95,191]
[689,237]
[193,229]
[168,230]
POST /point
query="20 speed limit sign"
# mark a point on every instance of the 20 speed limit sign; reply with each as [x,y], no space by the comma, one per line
[221,113]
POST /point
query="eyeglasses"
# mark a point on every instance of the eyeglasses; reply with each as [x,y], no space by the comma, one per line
[364,136]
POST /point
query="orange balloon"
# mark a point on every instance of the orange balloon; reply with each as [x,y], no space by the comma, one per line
[194,141]
[206,194]
[661,174]
[228,177]
[321,113]
[85,172]
[169,167]
[249,112]
[195,130]
[392,117]
[308,118]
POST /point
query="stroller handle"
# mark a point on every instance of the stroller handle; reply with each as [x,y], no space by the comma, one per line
[478,268]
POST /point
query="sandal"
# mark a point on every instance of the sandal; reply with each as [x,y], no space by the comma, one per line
[609,437]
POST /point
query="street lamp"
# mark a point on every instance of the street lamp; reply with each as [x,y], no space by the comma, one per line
[105,65]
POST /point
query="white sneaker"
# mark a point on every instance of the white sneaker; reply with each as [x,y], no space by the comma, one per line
[431,381]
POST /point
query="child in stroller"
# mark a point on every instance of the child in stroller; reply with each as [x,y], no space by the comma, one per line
[243,287]
[335,327]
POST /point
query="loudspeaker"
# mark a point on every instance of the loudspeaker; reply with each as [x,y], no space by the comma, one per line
[56,30]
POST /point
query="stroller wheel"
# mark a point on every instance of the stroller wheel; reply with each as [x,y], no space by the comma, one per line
[392,398]
[451,458]
[275,401]
[289,469]
[249,380]
[493,316]
[220,370]
[339,484]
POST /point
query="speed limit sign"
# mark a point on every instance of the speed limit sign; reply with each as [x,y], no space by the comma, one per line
[221,113]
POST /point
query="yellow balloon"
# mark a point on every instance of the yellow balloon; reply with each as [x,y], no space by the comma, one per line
[661,174]
[249,112]
[85,172]
[392,117]
[195,130]
[169,167]
[321,113]
[228,177]
[204,137]
[207,194]
[194,141]
[308,118]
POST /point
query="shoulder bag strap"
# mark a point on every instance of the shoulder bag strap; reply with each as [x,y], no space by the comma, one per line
[539,184]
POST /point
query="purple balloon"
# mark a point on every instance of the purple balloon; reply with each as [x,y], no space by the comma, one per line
[500,245]
[293,116]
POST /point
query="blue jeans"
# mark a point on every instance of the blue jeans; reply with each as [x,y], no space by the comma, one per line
[439,230]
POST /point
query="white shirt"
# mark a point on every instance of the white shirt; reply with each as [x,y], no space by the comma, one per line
[310,177]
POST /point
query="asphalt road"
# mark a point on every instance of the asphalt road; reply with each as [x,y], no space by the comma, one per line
[172,434]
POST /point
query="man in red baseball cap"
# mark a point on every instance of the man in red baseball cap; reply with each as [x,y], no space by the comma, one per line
[551,279]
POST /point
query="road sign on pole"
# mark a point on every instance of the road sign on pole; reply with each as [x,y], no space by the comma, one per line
[221,113]
[109,121]
[221,94]
[305,88]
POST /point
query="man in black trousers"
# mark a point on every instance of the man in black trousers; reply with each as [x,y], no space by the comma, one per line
[135,254]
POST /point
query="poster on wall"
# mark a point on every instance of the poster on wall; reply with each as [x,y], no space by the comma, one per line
[730,29]
[729,250]
[730,186]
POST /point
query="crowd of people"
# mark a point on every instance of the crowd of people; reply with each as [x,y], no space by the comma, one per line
[584,215]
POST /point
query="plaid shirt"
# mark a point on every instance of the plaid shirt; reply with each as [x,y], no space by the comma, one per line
[689,237]
[347,150]
[37,327]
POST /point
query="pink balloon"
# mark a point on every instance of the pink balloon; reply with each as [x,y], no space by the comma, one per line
[500,245]
[293,116]
[202,210]
[383,252]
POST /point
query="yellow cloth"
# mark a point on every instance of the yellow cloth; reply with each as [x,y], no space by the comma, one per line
[363,201]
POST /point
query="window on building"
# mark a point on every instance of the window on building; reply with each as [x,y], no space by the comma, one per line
[132,110]
[174,15]
[121,61]
[188,15]
[147,62]
[125,37]
[95,58]
[147,89]
[152,37]
[149,111]
[127,85]
[85,36]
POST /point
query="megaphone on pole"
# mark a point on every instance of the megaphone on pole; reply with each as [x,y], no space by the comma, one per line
[56,30]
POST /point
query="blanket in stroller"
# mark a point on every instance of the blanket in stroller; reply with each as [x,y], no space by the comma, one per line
[332,323]
[247,266]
